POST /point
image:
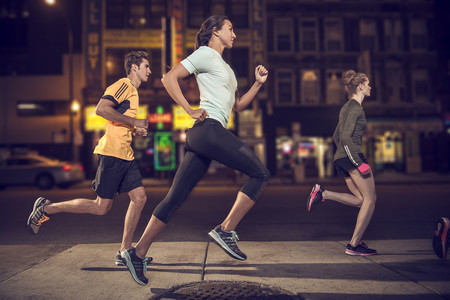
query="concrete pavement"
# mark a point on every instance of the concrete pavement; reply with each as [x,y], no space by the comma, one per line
[404,269]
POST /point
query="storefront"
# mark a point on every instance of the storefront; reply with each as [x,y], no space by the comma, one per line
[408,146]
[405,146]
[308,157]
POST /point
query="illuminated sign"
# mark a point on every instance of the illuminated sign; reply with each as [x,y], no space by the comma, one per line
[182,121]
[142,112]
[164,157]
[92,121]
[160,119]
[177,31]
[93,34]
[97,123]
[143,38]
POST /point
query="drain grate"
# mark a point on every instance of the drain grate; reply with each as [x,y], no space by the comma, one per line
[226,290]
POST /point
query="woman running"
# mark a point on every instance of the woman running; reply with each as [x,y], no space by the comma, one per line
[208,140]
[350,162]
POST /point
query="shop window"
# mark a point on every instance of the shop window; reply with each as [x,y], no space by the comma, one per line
[308,35]
[310,87]
[284,88]
[307,157]
[284,35]
[393,35]
[389,151]
[335,88]
[333,35]
[418,35]
[368,35]
[285,154]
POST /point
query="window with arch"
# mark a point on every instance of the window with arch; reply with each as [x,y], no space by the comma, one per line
[335,88]
[310,86]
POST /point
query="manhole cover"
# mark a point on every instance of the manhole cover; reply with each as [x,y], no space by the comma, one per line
[226,290]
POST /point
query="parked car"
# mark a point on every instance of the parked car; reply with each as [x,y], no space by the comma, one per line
[44,172]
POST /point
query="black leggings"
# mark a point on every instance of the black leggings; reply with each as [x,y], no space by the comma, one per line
[206,141]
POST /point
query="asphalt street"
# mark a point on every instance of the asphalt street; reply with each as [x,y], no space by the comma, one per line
[402,211]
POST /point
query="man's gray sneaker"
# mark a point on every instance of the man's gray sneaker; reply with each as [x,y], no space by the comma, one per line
[136,265]
[38,215]
[228,242]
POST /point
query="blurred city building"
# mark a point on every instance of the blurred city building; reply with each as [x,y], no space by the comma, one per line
[306,45]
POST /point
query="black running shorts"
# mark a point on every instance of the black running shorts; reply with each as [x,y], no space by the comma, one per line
[343,165]
[115,175]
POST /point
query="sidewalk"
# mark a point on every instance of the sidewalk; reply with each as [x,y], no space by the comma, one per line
[306,269]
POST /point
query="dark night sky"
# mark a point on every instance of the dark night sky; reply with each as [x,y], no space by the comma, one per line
[35,44]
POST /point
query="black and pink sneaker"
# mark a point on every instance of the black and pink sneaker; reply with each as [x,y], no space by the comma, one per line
[314,197]
[441,238]
[361,249]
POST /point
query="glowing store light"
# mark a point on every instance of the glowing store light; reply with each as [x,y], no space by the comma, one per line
[75,106]
[27,106]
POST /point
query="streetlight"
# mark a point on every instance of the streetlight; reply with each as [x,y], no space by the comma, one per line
[70,46]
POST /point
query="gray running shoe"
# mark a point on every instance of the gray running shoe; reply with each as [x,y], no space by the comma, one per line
[136,265]
[38,215]
[119,261]
[228,242]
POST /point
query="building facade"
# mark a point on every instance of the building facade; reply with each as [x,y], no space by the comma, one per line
[306,45]
[311,43]
[166,29]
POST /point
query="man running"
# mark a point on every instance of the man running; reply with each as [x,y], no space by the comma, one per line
[117,170]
